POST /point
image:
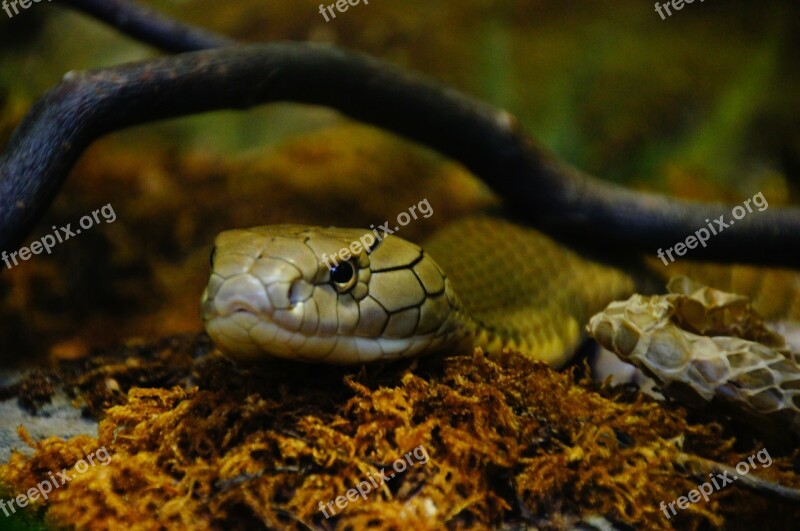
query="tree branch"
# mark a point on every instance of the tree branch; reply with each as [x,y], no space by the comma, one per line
[548,194]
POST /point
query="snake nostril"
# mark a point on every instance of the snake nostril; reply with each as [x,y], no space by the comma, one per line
[241,294]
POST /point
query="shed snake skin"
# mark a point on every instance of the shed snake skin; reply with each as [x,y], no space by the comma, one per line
[480,282]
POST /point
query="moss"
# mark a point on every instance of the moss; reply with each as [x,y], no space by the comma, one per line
[510,442]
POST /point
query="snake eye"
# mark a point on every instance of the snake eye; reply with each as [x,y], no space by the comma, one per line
[343,277]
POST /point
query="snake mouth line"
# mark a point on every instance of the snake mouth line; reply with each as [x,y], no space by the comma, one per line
[246,337]
[246,329]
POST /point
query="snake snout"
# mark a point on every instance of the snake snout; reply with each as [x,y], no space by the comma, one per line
[242,293]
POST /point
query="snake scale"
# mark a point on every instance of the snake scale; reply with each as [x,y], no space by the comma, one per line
[483,281]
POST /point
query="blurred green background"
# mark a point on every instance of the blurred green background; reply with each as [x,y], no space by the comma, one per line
[709,94]
[704,104]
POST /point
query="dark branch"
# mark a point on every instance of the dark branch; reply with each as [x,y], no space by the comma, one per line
[549,194]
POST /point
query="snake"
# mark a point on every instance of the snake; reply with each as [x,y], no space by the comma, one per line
[479,282]
[313,294]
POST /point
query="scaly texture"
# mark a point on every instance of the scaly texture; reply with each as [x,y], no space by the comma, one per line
[774,292]
[522,289]
[701,344]
[344,296]
[273,290]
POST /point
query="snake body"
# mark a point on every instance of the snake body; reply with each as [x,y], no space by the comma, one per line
[480,282]
[309,293]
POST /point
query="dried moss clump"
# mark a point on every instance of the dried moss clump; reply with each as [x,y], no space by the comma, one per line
[509,442]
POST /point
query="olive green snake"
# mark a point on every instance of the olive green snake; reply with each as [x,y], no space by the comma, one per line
[481,281]
[485,282]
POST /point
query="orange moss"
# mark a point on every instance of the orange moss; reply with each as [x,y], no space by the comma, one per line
[510,442]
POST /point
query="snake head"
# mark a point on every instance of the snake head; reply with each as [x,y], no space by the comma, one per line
[325,294]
